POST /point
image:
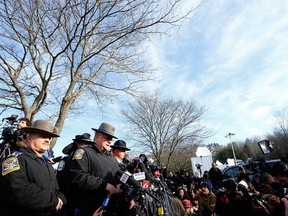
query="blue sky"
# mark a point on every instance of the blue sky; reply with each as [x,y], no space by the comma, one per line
[231,57]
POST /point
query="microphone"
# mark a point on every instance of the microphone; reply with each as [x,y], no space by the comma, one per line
[132,187]
[126,177]
[143,168]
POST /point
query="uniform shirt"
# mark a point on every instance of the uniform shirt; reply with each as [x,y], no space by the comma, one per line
[28,185]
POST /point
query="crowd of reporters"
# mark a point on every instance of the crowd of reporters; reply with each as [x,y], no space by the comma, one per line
[263,194]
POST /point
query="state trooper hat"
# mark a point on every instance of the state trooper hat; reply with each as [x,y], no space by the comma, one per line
[41,127]
[85,137]
[120,144]
[106,129]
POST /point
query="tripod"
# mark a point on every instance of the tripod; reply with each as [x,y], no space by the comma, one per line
[5,150]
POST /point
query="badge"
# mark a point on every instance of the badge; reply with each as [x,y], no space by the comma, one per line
[61,165]
[78,154]
[10,165]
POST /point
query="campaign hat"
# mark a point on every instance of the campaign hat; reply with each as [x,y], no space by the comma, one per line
[41,127]
[120,144]
[106,129]
[85,137]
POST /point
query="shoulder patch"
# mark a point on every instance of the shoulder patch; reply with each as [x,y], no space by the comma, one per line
[78,154]
[10,165]
[61,165]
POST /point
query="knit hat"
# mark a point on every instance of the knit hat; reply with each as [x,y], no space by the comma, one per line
[208,184]
[243,184]
[186,203]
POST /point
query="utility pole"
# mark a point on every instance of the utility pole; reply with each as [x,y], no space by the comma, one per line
[232,146]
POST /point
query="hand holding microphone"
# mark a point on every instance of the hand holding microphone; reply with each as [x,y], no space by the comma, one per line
[111,189]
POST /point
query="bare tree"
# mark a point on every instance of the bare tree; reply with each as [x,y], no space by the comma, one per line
[54,52]
[281,128]
[181,158]
[162,125]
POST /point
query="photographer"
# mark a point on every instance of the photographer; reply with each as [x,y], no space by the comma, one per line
[215,176]
[23,122]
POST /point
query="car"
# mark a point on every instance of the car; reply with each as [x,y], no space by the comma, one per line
[261,166]
[232,172]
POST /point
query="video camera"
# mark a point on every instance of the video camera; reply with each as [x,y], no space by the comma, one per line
[9,135]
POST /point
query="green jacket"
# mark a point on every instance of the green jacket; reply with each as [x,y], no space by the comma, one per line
[207,203]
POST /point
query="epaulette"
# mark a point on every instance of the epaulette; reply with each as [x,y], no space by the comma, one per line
[9,165]
[78,154]
[84,146]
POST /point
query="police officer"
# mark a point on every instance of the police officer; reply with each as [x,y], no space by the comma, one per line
[121,204]
[93,169]
[28,182]
[119,151]
[63,177]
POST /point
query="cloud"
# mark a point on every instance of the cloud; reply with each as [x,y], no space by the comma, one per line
[232,58]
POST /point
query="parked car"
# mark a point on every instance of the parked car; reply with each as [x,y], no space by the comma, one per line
[232,172]
[262,166]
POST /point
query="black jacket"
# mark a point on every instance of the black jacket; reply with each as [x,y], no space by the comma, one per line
[31,187]
[91,170]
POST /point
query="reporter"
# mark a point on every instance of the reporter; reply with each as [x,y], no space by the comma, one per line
[206,199]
